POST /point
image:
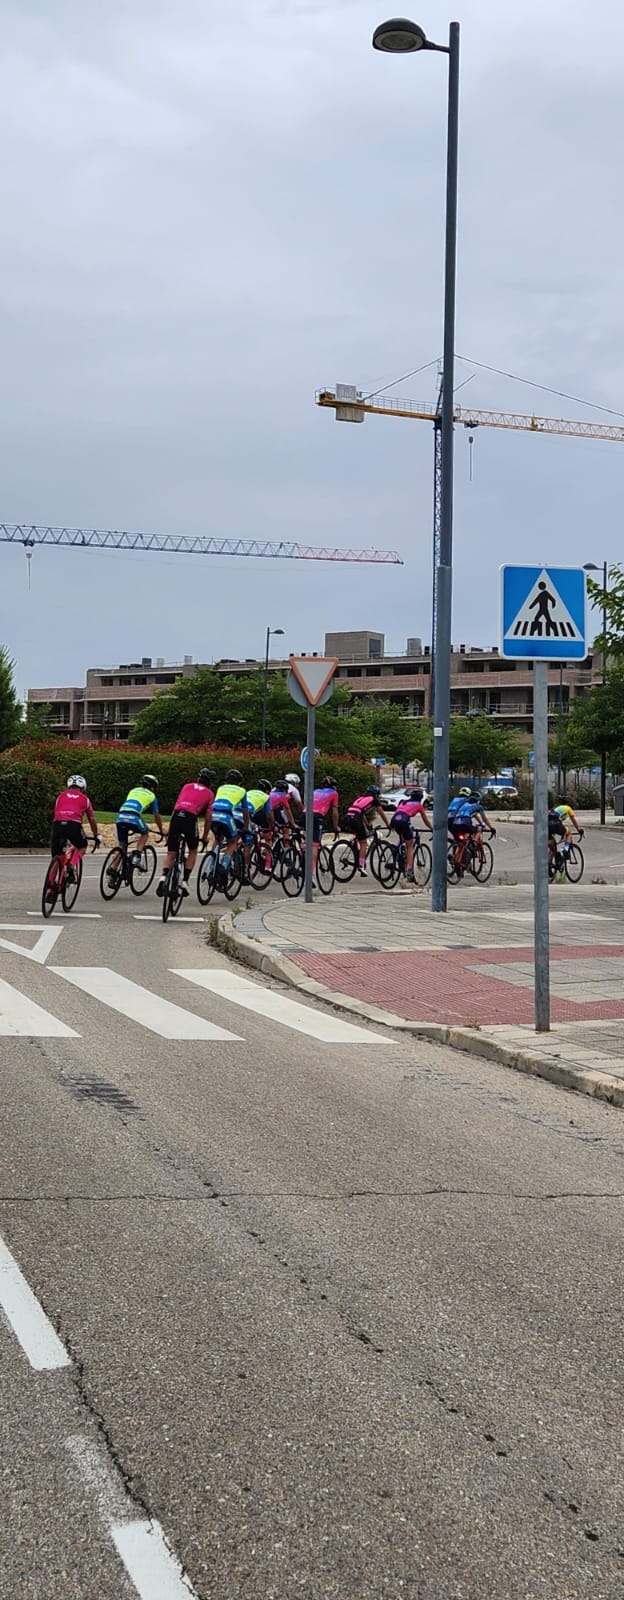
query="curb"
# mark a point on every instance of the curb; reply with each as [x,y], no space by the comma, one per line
[273,964]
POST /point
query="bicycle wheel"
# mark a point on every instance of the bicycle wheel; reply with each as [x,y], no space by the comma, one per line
[344,855]
[373,858]
[142,871]
[234,880]
[292,870]
[453,869]
[260,866]
[482,862]
[207,877]
[49,895]
[389,865]
[325,870]
[70,887]
[574,863]
[422,864]
[109,890]
[172,898]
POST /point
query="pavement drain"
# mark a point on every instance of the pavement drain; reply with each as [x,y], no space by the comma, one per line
[86,1087]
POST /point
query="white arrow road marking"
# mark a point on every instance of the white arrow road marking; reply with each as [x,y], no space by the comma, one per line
[40,951]
[278,1007]
[141,1005]
[38,1338]
[140,1542]
[23,1018]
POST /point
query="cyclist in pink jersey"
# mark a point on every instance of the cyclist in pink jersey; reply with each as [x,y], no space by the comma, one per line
[195,800]
[403,823]
[358,819]
[324,806]
[71,806]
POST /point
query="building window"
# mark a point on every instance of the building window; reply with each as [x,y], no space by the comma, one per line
[106,683]
[374,649]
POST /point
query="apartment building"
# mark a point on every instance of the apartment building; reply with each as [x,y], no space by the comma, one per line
[481,681]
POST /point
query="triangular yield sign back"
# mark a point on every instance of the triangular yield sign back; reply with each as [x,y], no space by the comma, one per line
[313,673]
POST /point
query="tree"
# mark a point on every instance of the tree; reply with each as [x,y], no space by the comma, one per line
[181,714]
[10,710]
[597,718]
[395,736]
[36,722]
[611,602]
[478,745]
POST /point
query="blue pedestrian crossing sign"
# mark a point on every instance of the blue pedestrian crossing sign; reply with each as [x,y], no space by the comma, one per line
[543,613]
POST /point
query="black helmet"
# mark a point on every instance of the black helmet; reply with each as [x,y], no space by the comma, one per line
[150,781]
[374,790]
[562,801]
[207,775]
[415,794]
[329,783]
[234,776]
[263,783]
[475,794]
[281,786]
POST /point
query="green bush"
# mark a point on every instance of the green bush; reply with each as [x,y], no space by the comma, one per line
[40,769]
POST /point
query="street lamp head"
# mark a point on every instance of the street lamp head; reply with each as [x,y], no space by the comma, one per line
[399,36]
[277,630]
[590,566]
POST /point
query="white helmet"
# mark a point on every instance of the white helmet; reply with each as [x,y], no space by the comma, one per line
[76,781]
[293,777]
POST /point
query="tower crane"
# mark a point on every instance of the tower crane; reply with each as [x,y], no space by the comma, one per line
[351,405]
[29,535]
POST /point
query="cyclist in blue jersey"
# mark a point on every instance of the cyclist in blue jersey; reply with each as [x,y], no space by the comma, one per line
[142,801]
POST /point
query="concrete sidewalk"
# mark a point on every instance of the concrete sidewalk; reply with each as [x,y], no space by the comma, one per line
[466,978]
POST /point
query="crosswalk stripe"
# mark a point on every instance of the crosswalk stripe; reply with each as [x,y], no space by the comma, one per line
[23,1018]
[277,1007]
[141,1005]
[38,1338]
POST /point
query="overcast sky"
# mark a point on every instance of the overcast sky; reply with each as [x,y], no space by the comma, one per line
[208,212]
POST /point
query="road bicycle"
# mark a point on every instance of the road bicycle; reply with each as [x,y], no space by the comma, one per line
[134,867]
[393,862]
[292,866]
[566,859]
[63,879]
[469,853]
[345,854]
[213,875]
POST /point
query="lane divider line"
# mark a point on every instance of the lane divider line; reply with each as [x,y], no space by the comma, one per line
[141,1005]
[72,916]
[140,1542]
[39,1340]
[321,1025]
[148,916]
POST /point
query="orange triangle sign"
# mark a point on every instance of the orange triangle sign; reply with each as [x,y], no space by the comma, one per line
[313,673]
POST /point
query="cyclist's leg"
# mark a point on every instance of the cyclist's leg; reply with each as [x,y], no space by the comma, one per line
[172,850]
[191,834]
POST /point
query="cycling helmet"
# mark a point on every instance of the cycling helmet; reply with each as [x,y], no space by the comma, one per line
[76,781]
[206,775]
[293,777]
[464,794]
[150,780]
[562,801]
[234,776]
[281,786]
[263,783]
[329,783]
[475,794]
[415,794]
[374,790]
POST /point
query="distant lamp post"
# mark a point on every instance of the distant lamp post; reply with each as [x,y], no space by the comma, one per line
[265,684]
[590,566]
[399,36]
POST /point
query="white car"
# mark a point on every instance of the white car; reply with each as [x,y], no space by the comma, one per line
[393,797]
[500,791]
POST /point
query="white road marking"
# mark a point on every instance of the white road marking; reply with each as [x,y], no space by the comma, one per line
[39,1340]
[155,1571]
[76,916]
[141,1005]
[147,916]
[277,1007]
[37,952]
[24,1019]
[140,1542]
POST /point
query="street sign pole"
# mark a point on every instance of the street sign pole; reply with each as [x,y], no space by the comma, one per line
[540,847]
[309,803]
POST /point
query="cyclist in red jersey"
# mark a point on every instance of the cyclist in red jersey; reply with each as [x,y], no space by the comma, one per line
[403,824]
[324,805]
[358,819]
[71,806]
[195,800]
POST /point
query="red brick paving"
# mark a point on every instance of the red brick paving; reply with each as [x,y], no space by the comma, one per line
[438,985]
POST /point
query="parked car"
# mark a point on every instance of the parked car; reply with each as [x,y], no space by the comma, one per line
[500,791]
[392,798]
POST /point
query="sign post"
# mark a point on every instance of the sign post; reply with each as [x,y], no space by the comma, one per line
[542,619]
[310,683]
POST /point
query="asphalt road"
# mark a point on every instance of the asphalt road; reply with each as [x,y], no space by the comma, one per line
[325,1318]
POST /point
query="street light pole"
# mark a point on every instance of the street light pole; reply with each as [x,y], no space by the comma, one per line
[590,566]
[265,684]
[400,36]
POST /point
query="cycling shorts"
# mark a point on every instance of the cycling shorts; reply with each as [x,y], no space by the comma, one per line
[402,824]
[262,817]
[183,825]
[64,832]
[354,823]
[125,827]
[556,829]
[463,825]
[226,828]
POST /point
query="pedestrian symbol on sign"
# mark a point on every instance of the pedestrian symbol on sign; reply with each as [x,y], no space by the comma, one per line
[543,615]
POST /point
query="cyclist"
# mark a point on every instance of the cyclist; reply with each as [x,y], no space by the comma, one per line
[556,831]
[564,810]
[195,800]
[358,820]
[230,814]
[294,790]
[456,806]
[260,816]
[403,824]
[139,803]
[324,804]
[72,804]
[279,802]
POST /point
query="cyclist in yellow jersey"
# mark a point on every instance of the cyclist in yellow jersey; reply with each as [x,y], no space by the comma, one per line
[563,810]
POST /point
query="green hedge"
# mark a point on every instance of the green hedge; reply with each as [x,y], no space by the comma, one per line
[32,773]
